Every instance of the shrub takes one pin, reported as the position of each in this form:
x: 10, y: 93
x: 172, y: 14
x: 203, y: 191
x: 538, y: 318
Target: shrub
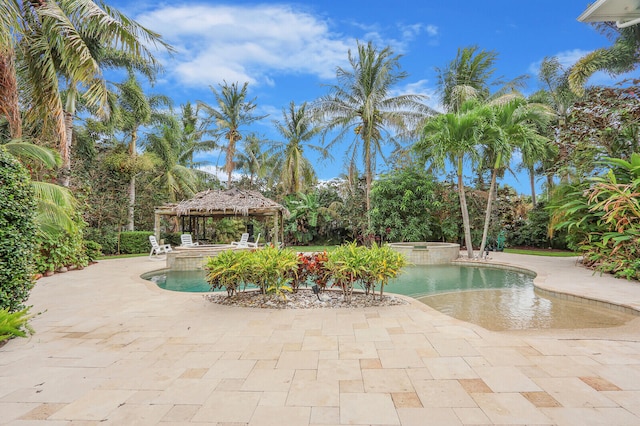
x: 106, y: 238
x: 64, y: 248
x: 132, y: 242
x: 350, y: 264
x: 17, y: 231
x: 14, y: 324
x: 172, y: 238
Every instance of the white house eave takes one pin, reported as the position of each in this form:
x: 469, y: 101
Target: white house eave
x: 624, y: 12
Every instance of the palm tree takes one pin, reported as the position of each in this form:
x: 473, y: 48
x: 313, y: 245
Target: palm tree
x: 362, y: 102
x: 252, y: 160
x: 298, y: 128
x: 623, y: 56
x: 54, y: 42
x: 511, y: 125
x: 166, y: 144
x: 454, y: 137
x: 133, y: 110
x: 55, y: 204
x: 469, y: 76
x: 192, y: 134
x: 233, y: 111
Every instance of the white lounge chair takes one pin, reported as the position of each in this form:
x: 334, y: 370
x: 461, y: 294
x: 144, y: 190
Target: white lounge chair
x: 156, y: 248
x: 187, y: 241
x: 255, y: 243
x: 244, y: 240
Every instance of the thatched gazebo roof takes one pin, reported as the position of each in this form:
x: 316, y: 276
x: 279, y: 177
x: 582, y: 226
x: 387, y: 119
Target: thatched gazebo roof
x: 232, y: 201
x: 225, y: 203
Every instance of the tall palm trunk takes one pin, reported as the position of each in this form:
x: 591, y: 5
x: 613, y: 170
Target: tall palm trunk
x: 231, y: 150
x: 532, y: 182
x: 9, y: 105
x: 132, y: 183
x: 65, y: 150
x: 465, y: 212
x: 487, y: 215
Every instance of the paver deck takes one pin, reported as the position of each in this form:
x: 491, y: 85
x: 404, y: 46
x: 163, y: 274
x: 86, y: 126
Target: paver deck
x: 111, y: 348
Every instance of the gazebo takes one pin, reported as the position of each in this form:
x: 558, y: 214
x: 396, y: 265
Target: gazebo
x: 218, y: 204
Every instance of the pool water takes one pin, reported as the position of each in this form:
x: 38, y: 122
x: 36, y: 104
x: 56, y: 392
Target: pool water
x: 496, y: 299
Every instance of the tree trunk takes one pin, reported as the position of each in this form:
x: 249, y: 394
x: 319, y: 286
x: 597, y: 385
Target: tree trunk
x: 231, y: 150
x: 132, y: 183
x: 532, y: 181
x: 465, y: 212
x: 132, y: 203
x: 65, y: 150
x: 368, y: 179
x: 9, y: 104
x: 487, y: 215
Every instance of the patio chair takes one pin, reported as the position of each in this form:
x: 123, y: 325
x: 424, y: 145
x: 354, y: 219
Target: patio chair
x: 255, y: 243
x: 187, y: 241
x: 244, y: 241
x: 157, y: 249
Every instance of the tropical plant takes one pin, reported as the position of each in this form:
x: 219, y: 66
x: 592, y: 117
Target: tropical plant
x: 177, y: 180
x: 311, y: 267
x: 253, y: 161
x: 17, y: 232
x: 232, y: 112
x: 274, y: 269
x: 385, y: 264
x: 511, y: 124
x: 228, y: 270
x: 134, y: 109
x: 362, y: 102
x: 14, y: 324
x: 56, y: 44
x: 623, y: 56
x: 454, y: 137
x: 606, y: 218
x: 294, y: 169
x: 404, y: 204
x: 305, y: 211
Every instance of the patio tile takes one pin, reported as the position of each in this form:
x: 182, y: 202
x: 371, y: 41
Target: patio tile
x: 95, y: 405
x: 406, y: 400
x: 430, y: 416
x: 351, y: 386
x: 573, y: 392
x: 506, y: 379
x: 228, y: 406
x: 443, y: 394
x: 314, y: 393
x: 339, y: 369
x: 450, y: 368
x: 400, y: 358
x: 180, y: 413
x: 42, y: 411
x: 386, y: 380
x: 510, y: 408
x: 298, y: 360
x: 230, y: 369
x: 277, y: 416
x: 367, y: 408
x: 600, y: 384
x: 268, y: 380
x: 474, y: 386
x: 471, y: 416
x: 325, y: 416
x: 358, y: 350
x: 541, y: 399
x: 590, y: 416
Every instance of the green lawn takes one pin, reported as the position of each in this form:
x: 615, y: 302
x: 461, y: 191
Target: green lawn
x: 311, y: 248
x: 542, y: 252
x: 122, y: 256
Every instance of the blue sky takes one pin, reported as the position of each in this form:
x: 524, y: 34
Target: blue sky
x: 289, y: 51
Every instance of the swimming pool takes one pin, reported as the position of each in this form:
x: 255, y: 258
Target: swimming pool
x: 496, y: 299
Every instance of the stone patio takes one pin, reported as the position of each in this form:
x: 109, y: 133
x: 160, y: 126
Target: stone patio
x: 111, y: 348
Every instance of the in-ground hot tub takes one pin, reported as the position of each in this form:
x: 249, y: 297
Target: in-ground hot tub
x: 428, y: 253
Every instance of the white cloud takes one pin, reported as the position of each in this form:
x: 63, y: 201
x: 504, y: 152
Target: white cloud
x: 566, y: 59
x: 421, y: 87
x: 242, y: 43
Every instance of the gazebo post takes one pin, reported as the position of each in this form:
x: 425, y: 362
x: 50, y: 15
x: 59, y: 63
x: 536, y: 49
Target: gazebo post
x: 156, y: 225
x: 276, y: 230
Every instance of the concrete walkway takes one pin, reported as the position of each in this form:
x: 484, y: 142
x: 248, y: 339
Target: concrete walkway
x: 111, y: 348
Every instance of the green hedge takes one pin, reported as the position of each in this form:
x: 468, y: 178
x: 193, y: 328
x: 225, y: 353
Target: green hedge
x: 17, y: 232
x: 132, y: 242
